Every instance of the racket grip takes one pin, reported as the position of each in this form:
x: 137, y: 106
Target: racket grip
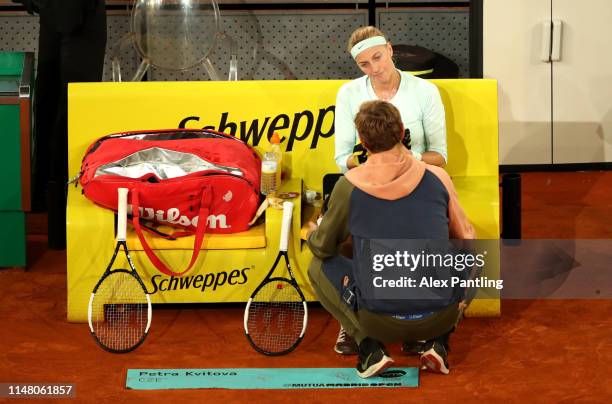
x: 122, y: 213
x: 286, y: 225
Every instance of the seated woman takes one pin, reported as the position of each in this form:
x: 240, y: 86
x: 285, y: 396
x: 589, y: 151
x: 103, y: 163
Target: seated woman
x: 385, y: 198
x: 417, y: 100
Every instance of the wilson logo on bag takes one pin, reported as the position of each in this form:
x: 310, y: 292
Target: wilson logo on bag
x: 197, y: 180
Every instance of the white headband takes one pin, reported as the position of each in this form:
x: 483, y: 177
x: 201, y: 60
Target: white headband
x: 367, y: 43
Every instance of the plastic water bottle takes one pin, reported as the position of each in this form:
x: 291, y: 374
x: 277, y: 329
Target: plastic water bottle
x: 271, y: 164
x: 269, y: 167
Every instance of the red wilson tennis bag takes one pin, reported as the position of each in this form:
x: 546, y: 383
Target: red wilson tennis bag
x: 197, y: 180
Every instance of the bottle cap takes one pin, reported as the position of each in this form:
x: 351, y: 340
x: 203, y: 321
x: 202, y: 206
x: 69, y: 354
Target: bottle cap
x: 275, y: 138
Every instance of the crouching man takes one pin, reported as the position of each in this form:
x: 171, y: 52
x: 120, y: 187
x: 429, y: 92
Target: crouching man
x: 391, y: 196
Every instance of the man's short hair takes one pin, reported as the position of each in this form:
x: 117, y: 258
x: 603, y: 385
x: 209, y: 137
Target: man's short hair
x: 379, y: 125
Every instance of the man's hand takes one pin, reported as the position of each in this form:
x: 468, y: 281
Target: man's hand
x: 311, y: 228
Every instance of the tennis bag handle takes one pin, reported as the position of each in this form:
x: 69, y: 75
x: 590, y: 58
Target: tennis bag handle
x: 205, y: 202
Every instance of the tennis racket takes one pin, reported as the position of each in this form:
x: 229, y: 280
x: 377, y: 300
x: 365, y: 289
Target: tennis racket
x: 119, y: 311
x: 276, y: 314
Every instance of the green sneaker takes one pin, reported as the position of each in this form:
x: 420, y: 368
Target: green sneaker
x: 373, y: 358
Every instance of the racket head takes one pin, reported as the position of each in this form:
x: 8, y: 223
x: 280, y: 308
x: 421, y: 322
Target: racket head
x: 275, y: 317
x: 119, y: 312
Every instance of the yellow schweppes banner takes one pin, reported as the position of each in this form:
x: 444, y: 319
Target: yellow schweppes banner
x: 302, y: 112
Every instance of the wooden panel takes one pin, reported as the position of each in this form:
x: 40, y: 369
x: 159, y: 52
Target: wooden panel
x: 512, y: 47
x: 582, y: 83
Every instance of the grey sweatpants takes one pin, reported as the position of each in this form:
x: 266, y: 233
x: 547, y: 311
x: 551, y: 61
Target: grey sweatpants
x: 363, y: 323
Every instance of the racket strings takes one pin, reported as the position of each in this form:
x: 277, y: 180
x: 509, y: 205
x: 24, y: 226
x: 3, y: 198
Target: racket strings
x: 276, y: 317
x: 119, y: 312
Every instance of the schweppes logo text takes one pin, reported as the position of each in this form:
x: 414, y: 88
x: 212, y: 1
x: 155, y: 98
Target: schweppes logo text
x: 210, y: 281
x: 302, y: 126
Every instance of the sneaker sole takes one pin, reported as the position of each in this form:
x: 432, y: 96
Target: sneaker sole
x: 432, y: 362
x: 376, y: 369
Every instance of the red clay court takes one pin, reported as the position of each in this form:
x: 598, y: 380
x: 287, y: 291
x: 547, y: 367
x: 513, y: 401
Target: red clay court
x: 538, y: 351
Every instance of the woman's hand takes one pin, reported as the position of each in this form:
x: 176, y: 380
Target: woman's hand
x: 433, y: 158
